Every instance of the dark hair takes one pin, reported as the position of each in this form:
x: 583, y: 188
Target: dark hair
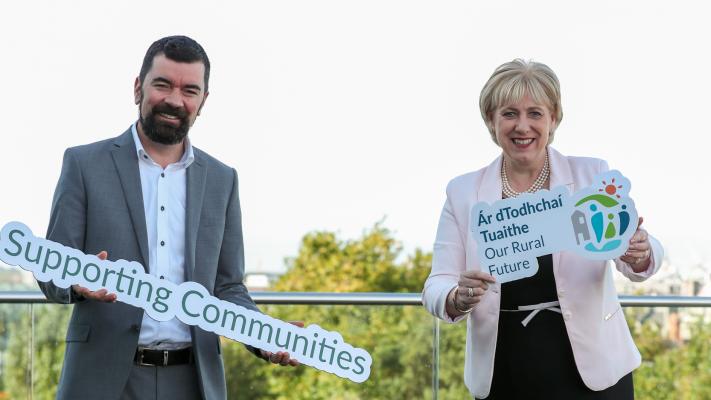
x: 176, y: 48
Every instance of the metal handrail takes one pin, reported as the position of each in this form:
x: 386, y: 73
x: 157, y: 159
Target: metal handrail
x: 377, y: 299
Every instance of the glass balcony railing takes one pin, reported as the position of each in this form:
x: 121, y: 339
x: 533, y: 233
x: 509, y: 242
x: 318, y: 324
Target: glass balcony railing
x: 414, y: 355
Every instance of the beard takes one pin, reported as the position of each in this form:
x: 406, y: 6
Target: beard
x: 163, y: 133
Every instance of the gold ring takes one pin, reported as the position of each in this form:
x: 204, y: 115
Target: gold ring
x: 470, y: 292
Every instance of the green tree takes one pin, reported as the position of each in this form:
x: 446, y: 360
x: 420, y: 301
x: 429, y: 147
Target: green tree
x: 669, y: 370
x: 399, y: 339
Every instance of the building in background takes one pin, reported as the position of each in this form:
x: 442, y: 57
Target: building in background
x: 672, y: 280
x: 260, y: 281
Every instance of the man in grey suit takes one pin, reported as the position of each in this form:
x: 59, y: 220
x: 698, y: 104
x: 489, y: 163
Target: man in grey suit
x: 149, y: 196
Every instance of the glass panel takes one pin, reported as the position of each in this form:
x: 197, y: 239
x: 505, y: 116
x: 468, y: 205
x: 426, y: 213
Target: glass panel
x: 50, y: 328
x: 15, y: 351
x: 452, y: 343
x: 399, y: 338
x: 675, y: 344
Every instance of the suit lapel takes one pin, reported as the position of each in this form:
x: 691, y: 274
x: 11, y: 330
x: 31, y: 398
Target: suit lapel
x: 196, y: 175
x: 126, y: 162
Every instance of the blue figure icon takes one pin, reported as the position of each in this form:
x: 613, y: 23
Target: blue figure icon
x: 597, y: 222
x: 624, y: 220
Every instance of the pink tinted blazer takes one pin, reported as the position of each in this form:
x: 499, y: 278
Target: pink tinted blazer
x: 601, y: 341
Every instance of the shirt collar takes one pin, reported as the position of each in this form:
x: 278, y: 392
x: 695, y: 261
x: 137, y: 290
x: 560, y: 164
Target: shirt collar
x: 185, y: 161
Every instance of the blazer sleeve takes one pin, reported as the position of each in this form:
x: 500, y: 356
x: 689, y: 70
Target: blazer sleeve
x: 67, y: 221
x: 229, y: 282
x: 448, y: 262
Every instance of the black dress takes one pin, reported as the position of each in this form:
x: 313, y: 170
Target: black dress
x: 536, y: 361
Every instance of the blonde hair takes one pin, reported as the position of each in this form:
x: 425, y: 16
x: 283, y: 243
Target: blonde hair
x: 511, y: 81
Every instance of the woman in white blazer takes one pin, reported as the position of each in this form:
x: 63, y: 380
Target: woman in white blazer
x: 578, y: 345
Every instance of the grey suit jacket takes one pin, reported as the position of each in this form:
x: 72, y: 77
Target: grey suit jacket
x: 98, y: 206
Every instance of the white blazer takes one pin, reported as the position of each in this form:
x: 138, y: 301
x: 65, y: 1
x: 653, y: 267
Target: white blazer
x: 601, y: 341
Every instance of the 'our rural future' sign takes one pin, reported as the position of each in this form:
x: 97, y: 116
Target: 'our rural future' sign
x: 596, y: 222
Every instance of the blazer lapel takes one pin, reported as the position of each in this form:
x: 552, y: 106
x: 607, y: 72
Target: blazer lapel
x: 126, y: 161
x: 490, y: 188
x: 196, y: 175
x: 561, y: 175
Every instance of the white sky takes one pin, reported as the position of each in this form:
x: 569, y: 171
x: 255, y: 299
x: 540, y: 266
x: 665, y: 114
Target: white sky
x: 337, y: 114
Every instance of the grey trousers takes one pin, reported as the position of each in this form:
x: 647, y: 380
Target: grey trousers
x: 175, y: 382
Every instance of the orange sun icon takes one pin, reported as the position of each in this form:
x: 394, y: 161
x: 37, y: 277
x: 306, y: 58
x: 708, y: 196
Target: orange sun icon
x: 610, y: 188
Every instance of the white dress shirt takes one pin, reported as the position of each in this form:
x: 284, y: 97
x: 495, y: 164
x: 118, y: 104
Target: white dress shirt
x: 164, y: 192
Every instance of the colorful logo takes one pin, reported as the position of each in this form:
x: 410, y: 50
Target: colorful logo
x: 601, y: 220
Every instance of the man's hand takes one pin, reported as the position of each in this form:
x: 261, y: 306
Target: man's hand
x: 282, y: 357
x: 99, y: 295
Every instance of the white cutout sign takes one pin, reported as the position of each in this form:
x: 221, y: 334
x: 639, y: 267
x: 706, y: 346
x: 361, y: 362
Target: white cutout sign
x: 596, y: 222
x: 190, y: 302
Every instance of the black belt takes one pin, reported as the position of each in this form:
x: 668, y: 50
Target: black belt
x: 163, y: 358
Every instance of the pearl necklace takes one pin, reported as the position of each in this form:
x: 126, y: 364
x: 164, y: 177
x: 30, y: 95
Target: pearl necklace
x: 536, y: 186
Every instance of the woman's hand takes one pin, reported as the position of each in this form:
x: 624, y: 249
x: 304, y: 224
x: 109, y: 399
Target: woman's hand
x: 471, y: 286
x: 638, y: 255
